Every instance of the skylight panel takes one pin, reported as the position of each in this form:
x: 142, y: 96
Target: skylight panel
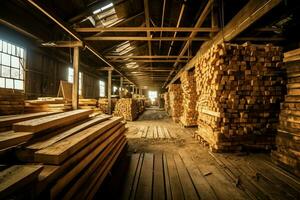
x: 103, y: 8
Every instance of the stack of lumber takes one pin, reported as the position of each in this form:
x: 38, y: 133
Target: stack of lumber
x: 240, y: 88
x: 127, y: 108
x: 287, y: 154
x: 47, y: 104
x: 103, y: 104
x: 72, y: 152
x: 11, y: 101
x: 87, y: 104
x: 167, y: 102
x: 175, y: 94
x: 188, y: 86
x: 141, y: 105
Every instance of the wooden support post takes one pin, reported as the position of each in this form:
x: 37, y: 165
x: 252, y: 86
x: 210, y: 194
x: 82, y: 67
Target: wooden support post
x: 76, y: 78
x: 109, y: 92
x: 121, y: 87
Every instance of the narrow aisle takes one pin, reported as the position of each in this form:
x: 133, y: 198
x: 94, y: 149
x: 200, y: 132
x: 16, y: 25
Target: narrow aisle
x: 164, y: 161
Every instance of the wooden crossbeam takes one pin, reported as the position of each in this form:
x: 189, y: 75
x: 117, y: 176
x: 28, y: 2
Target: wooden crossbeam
x: 145, y: 29
x: 63, y: 44
x: 148, y: 61
x: 146, y: 56
x: 133, y: 38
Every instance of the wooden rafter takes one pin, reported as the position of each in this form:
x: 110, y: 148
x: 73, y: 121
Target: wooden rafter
x: 146, y: 29
x: 133, y: 38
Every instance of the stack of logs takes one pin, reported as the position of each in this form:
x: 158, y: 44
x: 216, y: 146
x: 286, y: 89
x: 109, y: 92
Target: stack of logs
x: 240, y: 88
x: 127, y: 108
x: 11, y: 101
x: 188, y: 86
x: 47, y: 104
x: 288, y: 138
x: 167, y: 102
x: 58, y: 156
x: 175, y: 95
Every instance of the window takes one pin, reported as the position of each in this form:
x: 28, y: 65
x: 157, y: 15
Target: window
x: 102, y: 88
x: 115, y: 88
x: 152, y: 95
x: 11, y: 66
x: 71, y: 78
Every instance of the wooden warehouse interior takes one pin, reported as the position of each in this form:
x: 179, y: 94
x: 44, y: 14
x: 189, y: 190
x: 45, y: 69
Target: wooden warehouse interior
x: 140, y: 99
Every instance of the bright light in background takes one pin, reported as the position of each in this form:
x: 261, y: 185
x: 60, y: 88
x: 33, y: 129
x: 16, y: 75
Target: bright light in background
x: 152, y: 95
x: 103, y: 8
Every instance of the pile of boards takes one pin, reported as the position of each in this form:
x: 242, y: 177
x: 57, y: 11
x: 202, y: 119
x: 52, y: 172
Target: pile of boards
x: 288, y: 137
x: 127, y: 108
x: 11, y: 101
x: 47, y: 104
x: 103, y: 104
x: 188, y: 85
x: 239, y: 89
x: 167, y: 102
x: 141, y: 105
x: 58, y: 155
x: 175, y: 95
x: 87, y: 103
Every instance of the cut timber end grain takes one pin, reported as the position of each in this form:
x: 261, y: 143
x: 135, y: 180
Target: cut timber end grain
x: 127, y: 108
x: 51, y: 121
x: 60, y: 151
x: 16, y: 177
x: 175, y: 95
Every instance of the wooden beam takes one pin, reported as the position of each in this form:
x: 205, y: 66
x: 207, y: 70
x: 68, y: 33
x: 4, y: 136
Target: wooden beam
x: 63, y: 44
x: 147, y: 18
x: 109, y: 92
x: 146, y: 56
x: 121, y: 87
x: 137, y: 38
x: 75, y: 78
x: 263, y: 39
x: 249, y: 14
x: 145, y: 29
x: 148, y: 61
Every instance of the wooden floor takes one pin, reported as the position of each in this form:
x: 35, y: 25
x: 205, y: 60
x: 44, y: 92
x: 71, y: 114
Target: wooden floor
x: 184, y: 169
x: 154, y: 132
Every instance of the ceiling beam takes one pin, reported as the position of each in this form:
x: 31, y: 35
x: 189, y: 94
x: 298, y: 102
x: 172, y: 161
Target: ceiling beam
x: 198, y: 24
x: 137, y: 38
x: 148, y: 61
x: 145, y: 29
x: 146, y: 56
x: 63, y: 44
x: 72, y: 33
x: 162, y: 22
x: 249, y: 14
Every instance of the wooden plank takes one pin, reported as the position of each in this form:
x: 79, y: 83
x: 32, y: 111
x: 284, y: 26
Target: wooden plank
x: 94, y: 161
x: 50, y: 173
x: 144, y: 189
x: 186, y: 182
x: 166, y: 133
x: 10, y: 138
x: 167, y: 178
x: 155, y: 134
x: 69, y: 132
x: 176, y: 188
x: 158, y: 178
x: 140, y: 132
x: 60, y: 151
x: 136, y: 178
x: 160, y: 133
x: 75, y: 88
x: 171, y: 133
x: 130, y: 175
x: 150, y: 133
x: 205, y: 191
x: 16, y: 177
x: 57, y: 120
x: 144, y: 135
x: 9, y: 120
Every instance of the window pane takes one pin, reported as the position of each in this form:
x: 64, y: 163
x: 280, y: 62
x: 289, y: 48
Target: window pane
x: 5, y: 59
x: 0, y: 45
x: 13, y: 49
x: 18, y: 85
x: 9, y: 48
x: 15, y: 73
x: 70, y: 75
x: 4, y: 46
x: 9, y: 83
x: 5, y: 72
x: 22, y: 53
x: 15, y: 62
x: 2, y: 82
x: 21, y: 74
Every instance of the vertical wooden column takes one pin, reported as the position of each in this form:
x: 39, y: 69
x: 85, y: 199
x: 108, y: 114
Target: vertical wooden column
x: 109, y: 92
x: 75, y: 78
x: 121, y: 87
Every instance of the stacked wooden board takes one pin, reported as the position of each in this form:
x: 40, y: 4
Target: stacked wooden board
x: 167, y: 102
x: 288, y: 135
x: 47, y: 104
x: 11, y: 101
x: 188, y: 85
x: 72, y: 153
x: 240, y: 88
x: 127, y: 108
x: 141, y: 105
x: 175, y: 95
x: 103, y: 104
x: 87, y: 103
